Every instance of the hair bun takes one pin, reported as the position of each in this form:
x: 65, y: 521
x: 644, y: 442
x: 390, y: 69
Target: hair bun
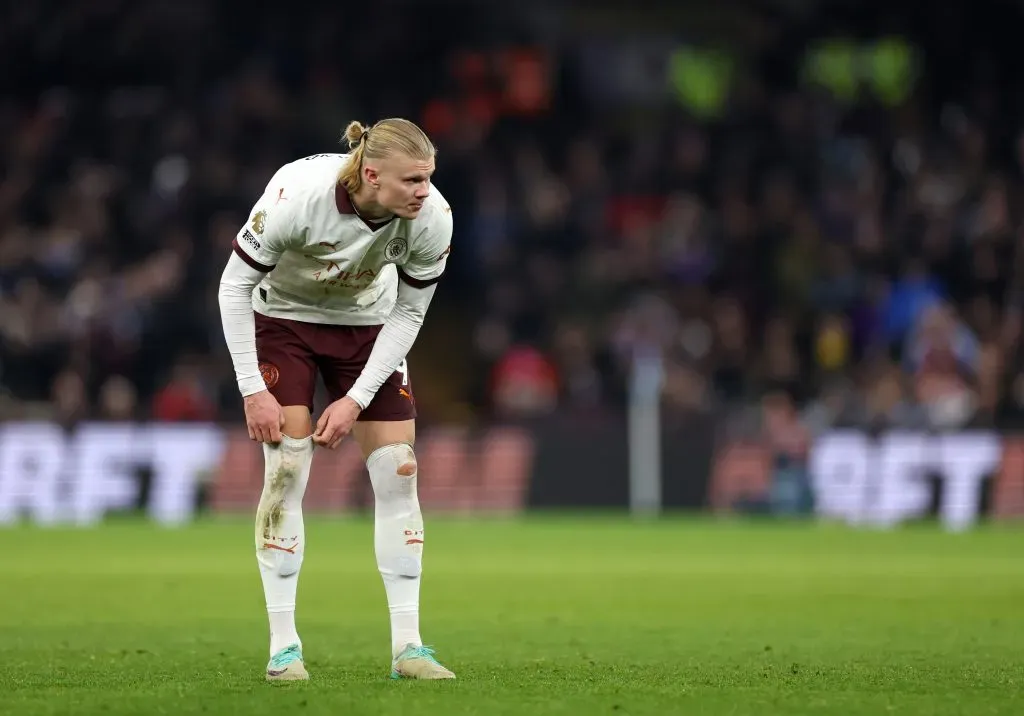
x: 355, y: 133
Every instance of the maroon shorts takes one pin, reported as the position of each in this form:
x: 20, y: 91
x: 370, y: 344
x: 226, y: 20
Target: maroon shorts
x: 291, y: 352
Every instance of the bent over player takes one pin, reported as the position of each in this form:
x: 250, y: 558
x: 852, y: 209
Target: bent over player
x: 333, y: 273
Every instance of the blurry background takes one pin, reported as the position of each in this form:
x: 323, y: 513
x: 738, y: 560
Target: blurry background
x: 807, y: 214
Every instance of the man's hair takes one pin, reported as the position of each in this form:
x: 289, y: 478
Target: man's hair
x: 384, y: 139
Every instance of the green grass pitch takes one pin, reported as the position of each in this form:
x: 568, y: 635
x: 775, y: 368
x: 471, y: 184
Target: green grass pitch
x: 541, y: 615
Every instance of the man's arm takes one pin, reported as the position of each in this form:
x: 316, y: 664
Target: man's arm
x: 394, y: 341
x: 417, y: 282
x: 235, y: 298
x: 256, y: 251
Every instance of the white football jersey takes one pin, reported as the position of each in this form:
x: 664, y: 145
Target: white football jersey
x: 326, y: 264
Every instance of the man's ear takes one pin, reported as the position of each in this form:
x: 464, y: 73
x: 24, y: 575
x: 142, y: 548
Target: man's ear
x: 371, y: 175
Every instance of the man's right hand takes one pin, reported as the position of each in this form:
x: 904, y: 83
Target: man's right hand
x: 263, y: 417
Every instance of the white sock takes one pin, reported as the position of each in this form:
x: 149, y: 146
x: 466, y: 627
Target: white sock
x: 398, y: 539
x: 280, y: 535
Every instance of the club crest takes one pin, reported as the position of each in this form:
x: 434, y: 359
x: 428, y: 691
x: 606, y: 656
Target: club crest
x: 396, y: 248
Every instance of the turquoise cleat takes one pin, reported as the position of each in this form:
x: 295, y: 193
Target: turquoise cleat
x: 286, y: 665
x: 418, y: 662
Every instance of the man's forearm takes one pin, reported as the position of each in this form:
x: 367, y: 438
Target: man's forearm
x: 235, y: 298
x: 393, y: 342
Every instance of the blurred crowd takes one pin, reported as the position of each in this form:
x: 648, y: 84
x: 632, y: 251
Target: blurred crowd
x: 826, y: 262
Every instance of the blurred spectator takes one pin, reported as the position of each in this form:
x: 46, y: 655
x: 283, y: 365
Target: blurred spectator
x: 887, y: 403
x: 524, y: 384
x: 913, y: 293
x: 69, y: 398
x: 578, y: 363
x: 118, y: 400
x: 185, y: 397
x: 788, y: 441
x: 942, y: 358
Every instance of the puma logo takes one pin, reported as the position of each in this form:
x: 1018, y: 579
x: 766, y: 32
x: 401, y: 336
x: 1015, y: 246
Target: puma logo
x: 335, y: 245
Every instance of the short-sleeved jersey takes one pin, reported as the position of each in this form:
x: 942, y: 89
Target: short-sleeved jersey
x: 326, y: 264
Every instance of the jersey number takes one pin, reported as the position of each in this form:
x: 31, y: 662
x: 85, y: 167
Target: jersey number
x: 403, y: 368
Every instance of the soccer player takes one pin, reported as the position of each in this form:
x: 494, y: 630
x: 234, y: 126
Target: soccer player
x: 333, y: 273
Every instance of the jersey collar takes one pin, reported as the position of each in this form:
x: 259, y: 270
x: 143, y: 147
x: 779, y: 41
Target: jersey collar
x: 345, y: 207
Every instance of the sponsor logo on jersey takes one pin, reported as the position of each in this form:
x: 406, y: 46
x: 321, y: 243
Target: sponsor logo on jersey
x: 396, y: 248
x: 259, y: 222
x: 346, y: 279
x: 248, y: 238
x: 332, y: 275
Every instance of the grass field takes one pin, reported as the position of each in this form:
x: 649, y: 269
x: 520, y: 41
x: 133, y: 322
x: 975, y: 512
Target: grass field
x: 550, y: 615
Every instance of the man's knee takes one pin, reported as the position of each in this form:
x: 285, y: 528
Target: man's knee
x: 392, y: 471
x: 400, y: 456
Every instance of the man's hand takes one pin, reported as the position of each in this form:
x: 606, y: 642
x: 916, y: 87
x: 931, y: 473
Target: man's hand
x: 263, y: 417
x: 336, y: 422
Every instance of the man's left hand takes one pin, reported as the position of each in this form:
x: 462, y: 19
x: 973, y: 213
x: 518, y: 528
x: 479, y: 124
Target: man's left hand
x: 336, y: 422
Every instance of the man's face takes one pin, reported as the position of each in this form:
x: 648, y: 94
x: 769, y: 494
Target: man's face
x: 402, y: 183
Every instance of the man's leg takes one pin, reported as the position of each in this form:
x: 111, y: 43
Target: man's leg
x: 280, y: 533
x: 290, y: 373
x: 398, y: 540
x: 386, y: 431
x: 398, y: 524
